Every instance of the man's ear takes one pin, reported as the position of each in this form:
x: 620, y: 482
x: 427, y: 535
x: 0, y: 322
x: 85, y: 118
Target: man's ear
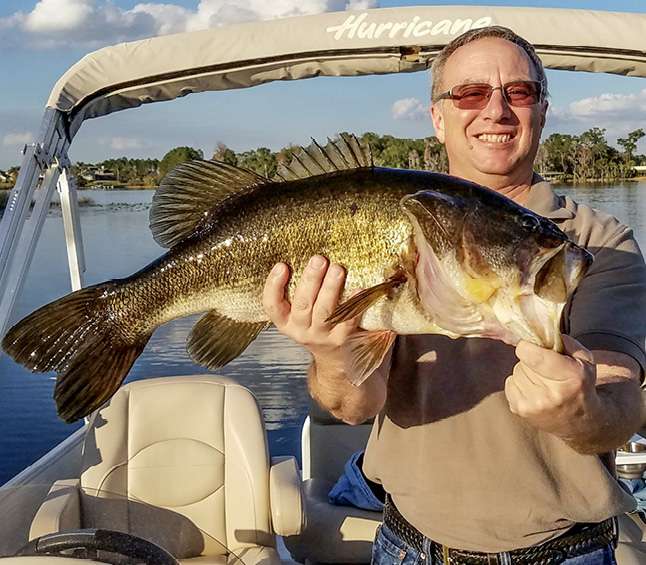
x: 438, y: 121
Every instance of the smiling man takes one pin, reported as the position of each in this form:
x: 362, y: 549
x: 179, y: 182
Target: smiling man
x: 489, y: 453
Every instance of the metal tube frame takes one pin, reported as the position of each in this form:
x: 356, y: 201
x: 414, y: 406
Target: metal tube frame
x: 41, y: 167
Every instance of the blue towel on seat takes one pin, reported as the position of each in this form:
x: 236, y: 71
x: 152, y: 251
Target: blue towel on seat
x: 352, y: 488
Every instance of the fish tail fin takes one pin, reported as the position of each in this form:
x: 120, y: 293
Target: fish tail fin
x: 78, y: 337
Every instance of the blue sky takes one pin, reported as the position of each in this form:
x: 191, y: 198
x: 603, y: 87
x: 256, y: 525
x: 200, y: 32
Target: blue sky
x: 40, y: 39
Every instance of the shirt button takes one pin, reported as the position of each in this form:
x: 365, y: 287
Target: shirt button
x: 422, y: 556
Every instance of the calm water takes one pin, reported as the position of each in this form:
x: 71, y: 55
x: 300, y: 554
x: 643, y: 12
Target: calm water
x: 117, y: 243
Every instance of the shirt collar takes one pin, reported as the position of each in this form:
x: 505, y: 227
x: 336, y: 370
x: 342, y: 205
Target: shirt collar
x: 544, y: 201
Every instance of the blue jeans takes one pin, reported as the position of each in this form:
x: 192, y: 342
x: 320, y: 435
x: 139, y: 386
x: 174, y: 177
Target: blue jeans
x: 388, y: 549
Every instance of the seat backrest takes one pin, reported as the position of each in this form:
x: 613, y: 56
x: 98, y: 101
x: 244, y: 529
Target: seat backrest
x: 330, y: 444
x: 190, y: 456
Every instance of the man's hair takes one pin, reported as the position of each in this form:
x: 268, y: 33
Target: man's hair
x: 437, y: 68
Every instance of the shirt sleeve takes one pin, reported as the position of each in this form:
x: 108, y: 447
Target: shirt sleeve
x: 608, y: 309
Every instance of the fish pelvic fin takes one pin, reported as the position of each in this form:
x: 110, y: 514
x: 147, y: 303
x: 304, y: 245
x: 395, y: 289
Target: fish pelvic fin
x: 366, y: 352
x: 216, y: 339
x: 189, y: 193
x: 360, y: 302
x: 343, y: 153
x: 75, y: 337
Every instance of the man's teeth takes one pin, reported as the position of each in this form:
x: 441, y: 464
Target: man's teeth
x: 500, y: 138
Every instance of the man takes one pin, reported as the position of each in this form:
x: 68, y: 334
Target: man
x: 486, y: 450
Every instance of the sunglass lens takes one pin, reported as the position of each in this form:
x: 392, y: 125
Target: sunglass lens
x: 522, y: 93
x: 471, y: 96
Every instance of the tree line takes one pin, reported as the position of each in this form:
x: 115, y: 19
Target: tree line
x: 577, y: 158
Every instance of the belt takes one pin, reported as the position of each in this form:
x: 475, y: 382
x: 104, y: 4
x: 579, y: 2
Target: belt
x: 579, y: 540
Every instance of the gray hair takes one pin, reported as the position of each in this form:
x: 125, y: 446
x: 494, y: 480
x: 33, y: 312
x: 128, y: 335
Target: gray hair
x: 437, y: 68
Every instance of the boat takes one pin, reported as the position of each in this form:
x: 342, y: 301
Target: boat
x: 177, y: 469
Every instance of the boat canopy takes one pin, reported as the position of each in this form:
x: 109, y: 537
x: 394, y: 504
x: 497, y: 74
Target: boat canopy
x: 377, y: 41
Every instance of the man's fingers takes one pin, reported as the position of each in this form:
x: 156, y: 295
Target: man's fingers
x: 274, y: 302
x: 307, y: 291
x: 328, y: 296
x: 547, y: 363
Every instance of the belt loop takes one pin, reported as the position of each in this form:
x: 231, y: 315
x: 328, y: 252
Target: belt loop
x: 615, y: 531
x: 446, y: 560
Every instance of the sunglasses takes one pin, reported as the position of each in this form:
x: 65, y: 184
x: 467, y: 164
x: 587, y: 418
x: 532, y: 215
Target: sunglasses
x: 521, y: 93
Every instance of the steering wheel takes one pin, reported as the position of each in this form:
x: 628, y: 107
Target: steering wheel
x: 92, y: 543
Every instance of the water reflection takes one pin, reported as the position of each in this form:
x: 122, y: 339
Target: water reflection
x: 117, y: 243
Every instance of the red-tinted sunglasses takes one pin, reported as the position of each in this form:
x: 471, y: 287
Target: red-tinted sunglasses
x: 520, y: 93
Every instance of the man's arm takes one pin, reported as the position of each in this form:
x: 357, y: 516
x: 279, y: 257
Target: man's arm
x: 315, y: 298
x: 592, y: 400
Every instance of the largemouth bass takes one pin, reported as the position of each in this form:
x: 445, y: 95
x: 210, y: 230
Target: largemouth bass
x: 427, y: 253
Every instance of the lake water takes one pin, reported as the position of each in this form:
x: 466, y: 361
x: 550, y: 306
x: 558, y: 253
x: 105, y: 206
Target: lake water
x: 117, y: 243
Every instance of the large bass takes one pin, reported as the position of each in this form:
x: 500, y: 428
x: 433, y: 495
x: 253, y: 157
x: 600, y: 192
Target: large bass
x: 424, y: 253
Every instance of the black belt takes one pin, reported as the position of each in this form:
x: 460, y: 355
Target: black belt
x: 580, y: 539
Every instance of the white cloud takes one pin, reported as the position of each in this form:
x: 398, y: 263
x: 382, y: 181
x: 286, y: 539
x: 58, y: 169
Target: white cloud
x: 123, y: 143
x: 17, y: 138
x: 409, y: 109
x: 58, y: 15
x: 91, y: 23
x: 617, y: 113
x: 610, y: 105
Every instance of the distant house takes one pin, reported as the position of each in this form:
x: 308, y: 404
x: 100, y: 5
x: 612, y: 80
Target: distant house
x: 104, y: 175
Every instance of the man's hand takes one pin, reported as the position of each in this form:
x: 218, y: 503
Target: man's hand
x: 593, y: 404
x: 316, y: 296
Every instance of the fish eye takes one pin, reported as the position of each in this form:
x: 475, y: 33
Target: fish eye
x: 530, y: 222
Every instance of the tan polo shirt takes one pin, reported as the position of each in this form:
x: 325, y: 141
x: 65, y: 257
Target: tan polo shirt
x: 459, y: 465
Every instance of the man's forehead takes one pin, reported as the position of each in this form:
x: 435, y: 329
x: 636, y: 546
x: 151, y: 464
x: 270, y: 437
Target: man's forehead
x: 478, y: 60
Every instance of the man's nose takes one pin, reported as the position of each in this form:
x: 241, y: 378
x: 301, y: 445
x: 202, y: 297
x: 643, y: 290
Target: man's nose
x: 497, y: 107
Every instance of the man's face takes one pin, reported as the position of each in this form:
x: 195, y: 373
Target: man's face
x: 494, y: 146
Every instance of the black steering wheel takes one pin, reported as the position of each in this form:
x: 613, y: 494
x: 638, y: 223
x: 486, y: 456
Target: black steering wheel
x: 106, y: 546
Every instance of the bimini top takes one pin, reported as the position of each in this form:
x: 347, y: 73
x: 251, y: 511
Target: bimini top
x: 388, y: 40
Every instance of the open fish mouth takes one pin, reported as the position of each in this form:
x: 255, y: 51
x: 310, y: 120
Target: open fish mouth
x: 506, y: 289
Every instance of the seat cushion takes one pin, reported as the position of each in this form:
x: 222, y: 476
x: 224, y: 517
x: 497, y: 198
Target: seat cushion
x: 248, y: 556
x: 333, y: 534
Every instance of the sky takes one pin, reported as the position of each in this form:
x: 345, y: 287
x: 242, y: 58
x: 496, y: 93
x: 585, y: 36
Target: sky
x: 41, y: 39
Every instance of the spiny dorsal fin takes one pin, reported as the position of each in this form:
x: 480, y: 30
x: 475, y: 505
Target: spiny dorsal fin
x: 340, y: 154
x: 187, y: 194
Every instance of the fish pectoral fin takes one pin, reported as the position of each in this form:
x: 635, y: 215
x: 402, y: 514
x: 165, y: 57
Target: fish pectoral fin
x: 360, y: 302
x: 366, y: 352
x: 216, y: 339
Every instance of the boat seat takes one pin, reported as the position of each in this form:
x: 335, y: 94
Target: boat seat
x: 333, y: 534
x: 182, y: 462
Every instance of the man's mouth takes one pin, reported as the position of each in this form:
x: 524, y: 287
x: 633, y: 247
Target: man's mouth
x: 495, y: 137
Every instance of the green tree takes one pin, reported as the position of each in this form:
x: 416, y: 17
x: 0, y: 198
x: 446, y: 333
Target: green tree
x: 225, y: 155
x: 176, y: 156
x: 261, y: 161
x: 629, y: 145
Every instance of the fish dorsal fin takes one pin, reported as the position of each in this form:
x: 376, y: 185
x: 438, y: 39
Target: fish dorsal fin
x: 340, y: 154
x: 189, y: 192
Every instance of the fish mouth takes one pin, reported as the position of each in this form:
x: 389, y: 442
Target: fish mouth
x: 554, y: 279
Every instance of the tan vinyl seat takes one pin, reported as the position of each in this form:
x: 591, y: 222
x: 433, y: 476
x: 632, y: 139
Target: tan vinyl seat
x: 182, y: 462
x: 333, y: 534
